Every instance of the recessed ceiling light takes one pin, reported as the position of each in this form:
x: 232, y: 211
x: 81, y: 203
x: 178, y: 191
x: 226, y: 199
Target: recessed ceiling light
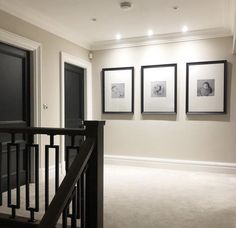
x: 118, y: 36
x: 125, y: 5
x: 175, y: 7
x: 185, y: 28
x: 150, y: 32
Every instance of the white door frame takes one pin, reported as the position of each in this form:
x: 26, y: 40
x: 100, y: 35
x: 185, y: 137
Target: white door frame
x: 87, y: 66
x: 35, y: 47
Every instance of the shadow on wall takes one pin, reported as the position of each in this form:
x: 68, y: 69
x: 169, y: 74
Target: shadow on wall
x: 218, y: 117
x: 159, y: 117
x: 117, y: 116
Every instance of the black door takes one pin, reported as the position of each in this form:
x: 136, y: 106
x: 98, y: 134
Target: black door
x: 74, y: 101
x: 14, y: 105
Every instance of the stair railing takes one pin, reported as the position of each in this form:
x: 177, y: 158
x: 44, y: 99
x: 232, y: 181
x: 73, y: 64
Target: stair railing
x: 79, y: 197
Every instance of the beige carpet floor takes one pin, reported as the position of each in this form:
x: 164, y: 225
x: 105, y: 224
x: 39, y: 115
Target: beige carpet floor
x: 138, y: 197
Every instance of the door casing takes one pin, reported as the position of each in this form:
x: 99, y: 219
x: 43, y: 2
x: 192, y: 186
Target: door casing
x: 87, y: 66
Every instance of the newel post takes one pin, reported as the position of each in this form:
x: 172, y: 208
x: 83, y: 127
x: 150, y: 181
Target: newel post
x: 94, y: 176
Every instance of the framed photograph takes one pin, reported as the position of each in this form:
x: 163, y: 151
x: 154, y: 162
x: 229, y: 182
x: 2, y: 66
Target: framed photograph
x: 206, y: 87
x: 118, y: 90
x: 159, y: 89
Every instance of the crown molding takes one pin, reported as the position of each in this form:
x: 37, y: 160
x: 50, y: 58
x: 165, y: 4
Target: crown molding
x: 162, y: 39
x: 37, y: 19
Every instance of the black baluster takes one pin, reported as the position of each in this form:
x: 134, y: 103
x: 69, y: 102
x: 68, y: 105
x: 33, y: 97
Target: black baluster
x: 68, y: 215
x: 79, y: 199
x: 56, y: 148
x: 18, y: 176
x: 68, y: 148
x: 37, y: 177
x: 46, y: 177
x: 8, y: 175
x: 0, y: 174
x: 67, y: 158
x: 64, y: 217
x: 74, y: 209
x: 67, y: 166
x: 57, y: 168
x: 83, y: 199
x: 28, y: 177
x: 73, y: 216
x: 10, y: 205
x: 79, y: 187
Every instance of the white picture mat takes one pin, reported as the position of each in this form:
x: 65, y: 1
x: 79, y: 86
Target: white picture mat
x: 159, y: 104
x: 206, y: 103
x: 118, y: 104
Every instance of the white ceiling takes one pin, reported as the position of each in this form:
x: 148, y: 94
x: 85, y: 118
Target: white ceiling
x: 71, y: 19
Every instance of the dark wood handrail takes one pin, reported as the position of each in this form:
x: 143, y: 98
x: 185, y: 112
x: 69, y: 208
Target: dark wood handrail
x: 82, y: 186
x: 66, y: 188
x: 45, y: 131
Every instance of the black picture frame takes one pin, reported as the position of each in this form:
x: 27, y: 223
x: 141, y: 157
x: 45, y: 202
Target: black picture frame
x: 174, y: 103
x: 130, y: 109
x: 223, y: 77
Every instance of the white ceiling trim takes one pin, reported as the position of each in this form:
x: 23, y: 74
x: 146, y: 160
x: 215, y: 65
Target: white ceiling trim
x: 161, y: 39
x: 44, y: 23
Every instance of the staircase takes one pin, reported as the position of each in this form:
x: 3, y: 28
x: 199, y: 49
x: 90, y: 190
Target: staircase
x: 78, y: 198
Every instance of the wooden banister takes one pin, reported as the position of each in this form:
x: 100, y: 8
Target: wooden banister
x: 82, y: 187
x: 45, y: 131
x: 64, y: 192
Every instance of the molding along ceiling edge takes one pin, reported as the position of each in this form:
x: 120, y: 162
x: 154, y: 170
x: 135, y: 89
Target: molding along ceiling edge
x: 162, y: 39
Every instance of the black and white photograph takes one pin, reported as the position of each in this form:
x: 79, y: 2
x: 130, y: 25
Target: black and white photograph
x: 159, y: 89
x: 118, y: 90
x: 206, y: 87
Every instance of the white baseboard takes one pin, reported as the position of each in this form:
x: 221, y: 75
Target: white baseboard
x: 229, y: 168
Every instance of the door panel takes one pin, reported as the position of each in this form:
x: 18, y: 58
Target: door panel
x: 14, y: 103
x: 13, y: 109
x: 74, y: 101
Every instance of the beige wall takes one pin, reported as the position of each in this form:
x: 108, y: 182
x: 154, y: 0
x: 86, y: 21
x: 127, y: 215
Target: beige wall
x: 52, y: 45
x: 206, y: 138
